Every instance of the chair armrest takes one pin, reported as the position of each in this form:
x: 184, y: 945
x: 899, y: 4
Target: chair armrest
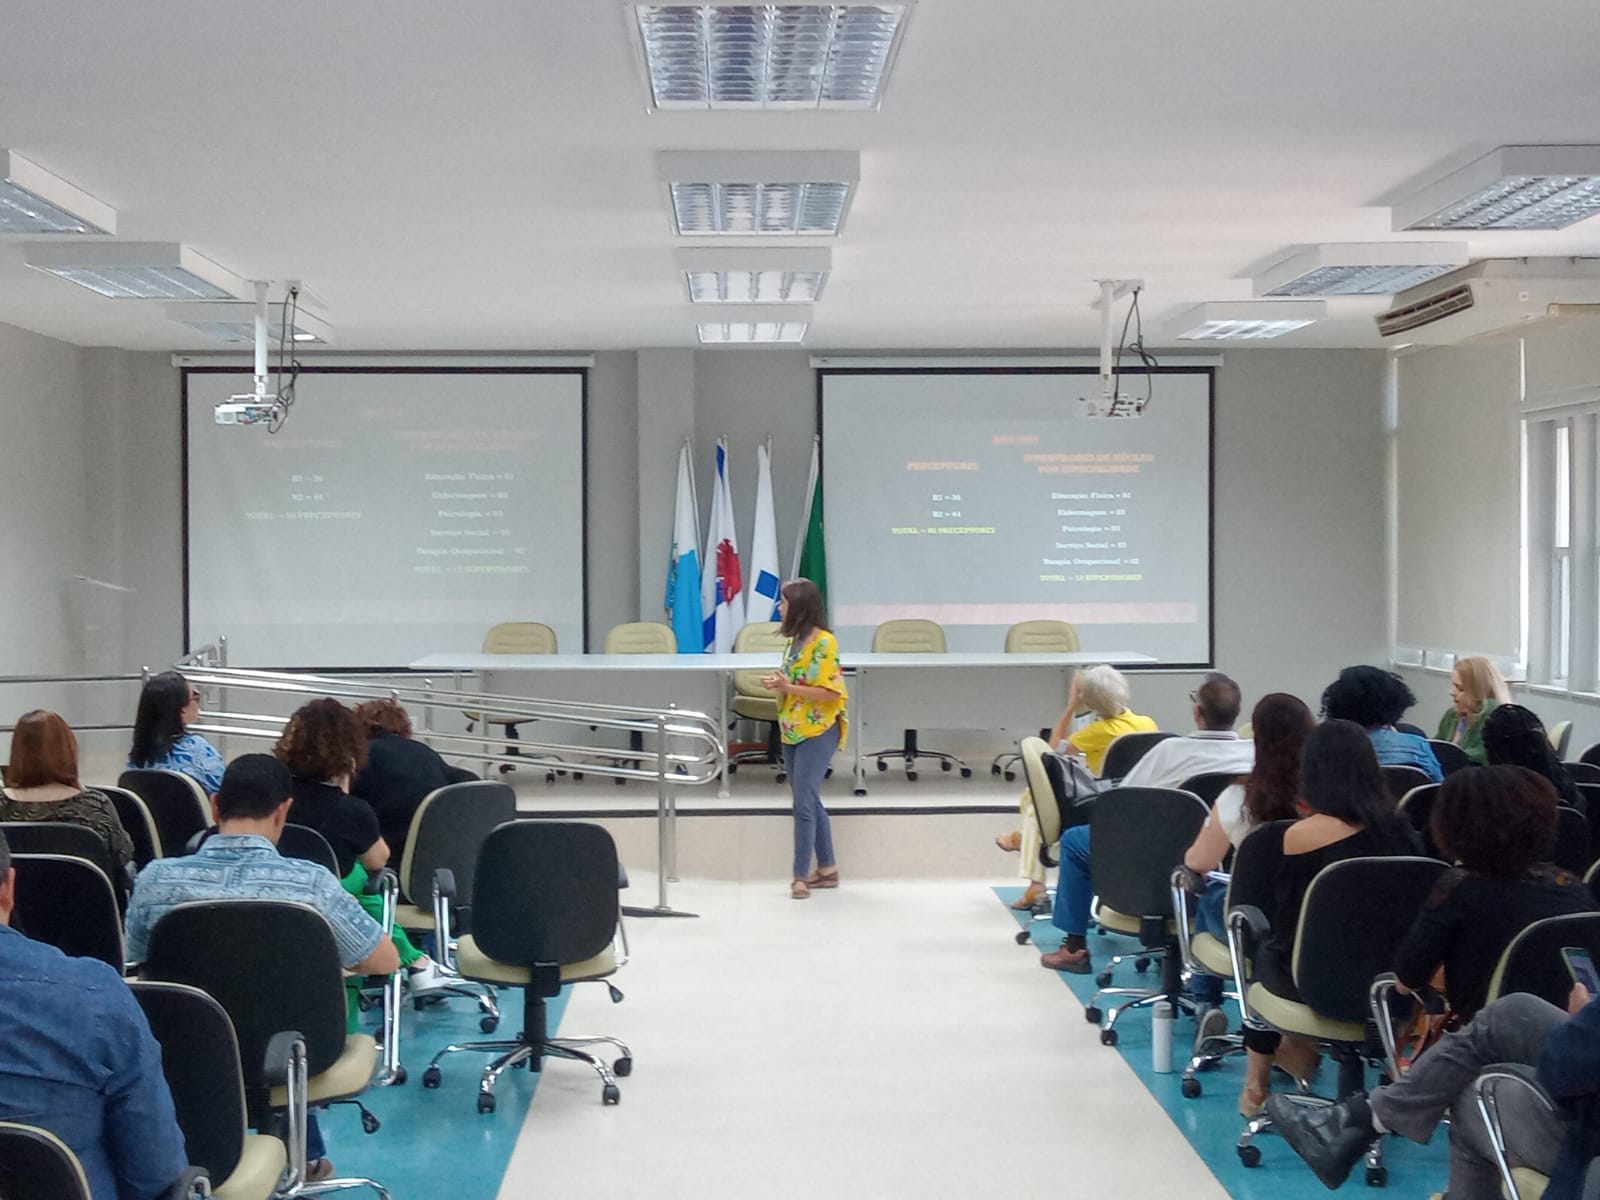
x: 1485, y: 1090
x: 194, y: 1181
x: 444, y: 883
x: 1248, y: 927
x: 280, y: 1053
x: 380, y: 879
x: 1381, y: 996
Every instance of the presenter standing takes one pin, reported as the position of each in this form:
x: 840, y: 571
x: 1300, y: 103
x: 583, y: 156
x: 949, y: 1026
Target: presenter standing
x: 811, y: 718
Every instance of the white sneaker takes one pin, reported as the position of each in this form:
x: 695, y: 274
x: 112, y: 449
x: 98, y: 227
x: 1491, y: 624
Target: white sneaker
x: 430, y: 979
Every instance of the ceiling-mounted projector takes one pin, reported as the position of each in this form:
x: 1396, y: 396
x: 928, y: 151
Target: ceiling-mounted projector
x: 1493, y: 296
x: 245, y: 410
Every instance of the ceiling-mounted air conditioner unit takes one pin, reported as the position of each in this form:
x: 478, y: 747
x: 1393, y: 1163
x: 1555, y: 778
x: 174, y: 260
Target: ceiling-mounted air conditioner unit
x: 1496, y: 295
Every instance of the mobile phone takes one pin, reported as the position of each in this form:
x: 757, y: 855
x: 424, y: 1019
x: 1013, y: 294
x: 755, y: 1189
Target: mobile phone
x: 1581, y: 966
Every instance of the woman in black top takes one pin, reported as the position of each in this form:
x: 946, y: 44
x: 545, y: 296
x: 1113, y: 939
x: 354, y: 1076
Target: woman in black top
x: 1347, y: 812
x: 1498, y: 824
x: 323, y: 745
x: 1514, y: 736
x: 399, y: 770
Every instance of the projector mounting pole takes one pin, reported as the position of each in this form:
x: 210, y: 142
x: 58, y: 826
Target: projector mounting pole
x: 1111, y: 290
x: 261, y: 342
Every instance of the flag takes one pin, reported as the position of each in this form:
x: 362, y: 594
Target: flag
x: 810, y: 555
x: 721, y: 587
x: 762, y: 603
x: 683, y: 572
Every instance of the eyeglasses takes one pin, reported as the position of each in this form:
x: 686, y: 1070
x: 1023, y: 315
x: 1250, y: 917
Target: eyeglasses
x: 1194, y: 696
x: 194, y: 697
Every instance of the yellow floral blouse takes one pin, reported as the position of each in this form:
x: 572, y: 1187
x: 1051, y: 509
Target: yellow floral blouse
x: 815, y: 664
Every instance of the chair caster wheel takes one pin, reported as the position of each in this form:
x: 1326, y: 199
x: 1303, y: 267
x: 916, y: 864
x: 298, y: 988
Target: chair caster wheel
x: 1022, y: 937
x: 1092, y: 1015
x: 488, y: 1024
x: 781, y: 777
x: 1190, y: 1088
x: 1108, y: 1037
x: 733, y: 768
x: 1377, y: 1176
x: 1103, y: 979
x: 1250, y: 1156
x: 994, y: 768
x: 506, y: 768
x: 828, y: 774
x: 619, y: 781
x: 622, y: 1068
x: 912, y: 776
x: 944, y: 766
x: 400, y: 1077
x: 966, y: 772
x: 1011, y: 776
x: 370, y: 1123
x: 431, y: 1078
x: 486, y: 1102
x: 860, y: 791
x: 365, y: 1002
x: 611, y: 1094
x: 577, y: 776
x: 882, y: 766
x: 549, y: 776
x: 614, y: 992
x: 1141, y: 965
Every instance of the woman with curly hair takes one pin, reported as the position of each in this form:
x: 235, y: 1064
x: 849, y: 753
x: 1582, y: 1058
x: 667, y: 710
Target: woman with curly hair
x: 400, y: 771
x: 1376, y: 699
x: 323, y: 745
x: 1498, y: 824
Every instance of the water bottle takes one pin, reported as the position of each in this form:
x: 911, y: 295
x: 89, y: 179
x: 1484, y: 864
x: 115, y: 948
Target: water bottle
x: 1161, y: 1038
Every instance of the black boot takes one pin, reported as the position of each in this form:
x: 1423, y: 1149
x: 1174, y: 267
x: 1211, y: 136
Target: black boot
x: 1331, y: 1139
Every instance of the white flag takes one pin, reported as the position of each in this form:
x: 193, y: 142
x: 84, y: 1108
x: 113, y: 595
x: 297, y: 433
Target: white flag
x: 683, y: 574
x: 721, y: 588
x: 762, y: 603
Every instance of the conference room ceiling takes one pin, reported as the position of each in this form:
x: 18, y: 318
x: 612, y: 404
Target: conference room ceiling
x: 484, y: 176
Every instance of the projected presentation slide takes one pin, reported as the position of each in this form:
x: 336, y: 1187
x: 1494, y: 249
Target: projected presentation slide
x: 980, y: 498
x: 396, y: 514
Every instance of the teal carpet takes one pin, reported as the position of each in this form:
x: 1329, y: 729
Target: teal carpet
x: 1211, y: 1121
x: 434, y: 1142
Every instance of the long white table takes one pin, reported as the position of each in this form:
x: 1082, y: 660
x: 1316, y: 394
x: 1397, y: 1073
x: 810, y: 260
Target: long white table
x: 1014, y: 692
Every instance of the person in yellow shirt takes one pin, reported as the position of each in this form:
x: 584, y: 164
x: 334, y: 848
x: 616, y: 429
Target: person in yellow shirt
x: 812, y: 721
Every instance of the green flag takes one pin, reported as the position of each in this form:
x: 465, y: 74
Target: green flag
x: 810, y: 552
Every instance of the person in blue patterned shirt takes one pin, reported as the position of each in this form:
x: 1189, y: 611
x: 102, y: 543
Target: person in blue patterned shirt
x: 161, y: 740
x: 241, y: 862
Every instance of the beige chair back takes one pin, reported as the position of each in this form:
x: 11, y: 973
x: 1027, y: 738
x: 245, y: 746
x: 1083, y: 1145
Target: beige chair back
x: 520, y: 637
x: 641, y: 637
x: 1041, y: 637
x: 757, y: 637
x: 908, y: 636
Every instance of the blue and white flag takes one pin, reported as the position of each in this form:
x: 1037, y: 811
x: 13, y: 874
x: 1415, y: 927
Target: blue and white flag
x: 721, y: 586
x: 683, y: 573
x: 762, y: 603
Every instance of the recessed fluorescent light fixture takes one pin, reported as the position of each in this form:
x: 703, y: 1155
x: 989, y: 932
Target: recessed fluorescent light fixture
x: 137, y: 270
x: 1360, y: 268
x: 755, y: 275
x: 235, y: 323
x: 1515, y: 187
x: 33, y: 201
x: 759, y: 194
x: 1231, y: 321
x: 725, y: 54
x: 753, y: 325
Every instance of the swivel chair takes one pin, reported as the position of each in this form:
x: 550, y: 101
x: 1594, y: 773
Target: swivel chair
x: 1209, y: 785
x: 912, y: 636
x: 1416, y: 806
x: 1060, y: 795
x: 1452, y: 758
x: 200, y: 1059
x: 1582, y: 772
x: 1125, y: 751
x: 638, y: 637
x: 136, y: 819
x: 75, y: 841
x: 69, y: 903
x: 1560, y: 737
x: 37, y: 1165
x: 178, y: 805
x: 1402, y: 779
x: 1033, y: 637
x: 544, y: 914
x: 515, y: 637
x: 754, y: 702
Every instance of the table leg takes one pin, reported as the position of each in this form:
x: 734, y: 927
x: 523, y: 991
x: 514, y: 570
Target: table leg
x: 726, y: 678
x: 860, y: 706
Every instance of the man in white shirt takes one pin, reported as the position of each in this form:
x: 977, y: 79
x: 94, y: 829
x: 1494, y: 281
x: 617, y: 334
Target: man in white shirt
x: 1213, y: 748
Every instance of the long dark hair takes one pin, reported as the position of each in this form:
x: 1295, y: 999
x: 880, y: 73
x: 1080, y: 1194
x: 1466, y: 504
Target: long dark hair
x: 805, y: 609
x: 1496, y: 821
x: 1513, y: 736
x: 1281, y: 725
x: 159, y: 722
x: 1340, y: 776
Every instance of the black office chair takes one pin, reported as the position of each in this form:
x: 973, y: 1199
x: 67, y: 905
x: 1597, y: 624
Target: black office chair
x: 1136, y: 837
x: 274, y: 968
x: 1126, y: 750
x: 1582, y: 772
x: 1452, y: 758
x: 73, y: 841
x: 1571, y: 848
x: 68, y: 903
x: 1591, y: 754
x: 200, y: 1060
x: 178, y: 805
x: 544, y: 914
x: 1209, y: 785
x: 1354, y: 917
x: 37, y: 1165
x: 1402, y: 780
x: 304, y: 842
x: 136, y: 819
x: 1416, y: 806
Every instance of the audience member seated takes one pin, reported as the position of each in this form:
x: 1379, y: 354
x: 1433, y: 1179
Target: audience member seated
x: 399, y: 772
x: 1212, y: 749
x: 1270, y: 792
x: 1514, y: 737
x: 42, y: 783
x: 1498, y: 825
x: 1376, y: 699
x: 1476, y: 690
x: 161, y: 741
x: 1519, y: 1034
x: 77, y: 1058
x: 323, y: 745
x: 1347, y: 813
x: 241, y: 861
x: 1103, y: 690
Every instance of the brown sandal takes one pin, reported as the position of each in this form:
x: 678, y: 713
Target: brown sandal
x: 799, y: 890
x: 1033, y: 895
x: 819, y: 880
x: 1009, y: 842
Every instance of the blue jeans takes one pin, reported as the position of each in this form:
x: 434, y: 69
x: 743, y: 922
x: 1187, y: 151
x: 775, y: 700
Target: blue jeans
x: 1210, y: 918
x: 1074, y: 889
x: 807, y: 765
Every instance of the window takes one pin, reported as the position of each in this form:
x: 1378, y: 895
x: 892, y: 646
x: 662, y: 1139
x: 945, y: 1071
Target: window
x: 1561, y: 553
